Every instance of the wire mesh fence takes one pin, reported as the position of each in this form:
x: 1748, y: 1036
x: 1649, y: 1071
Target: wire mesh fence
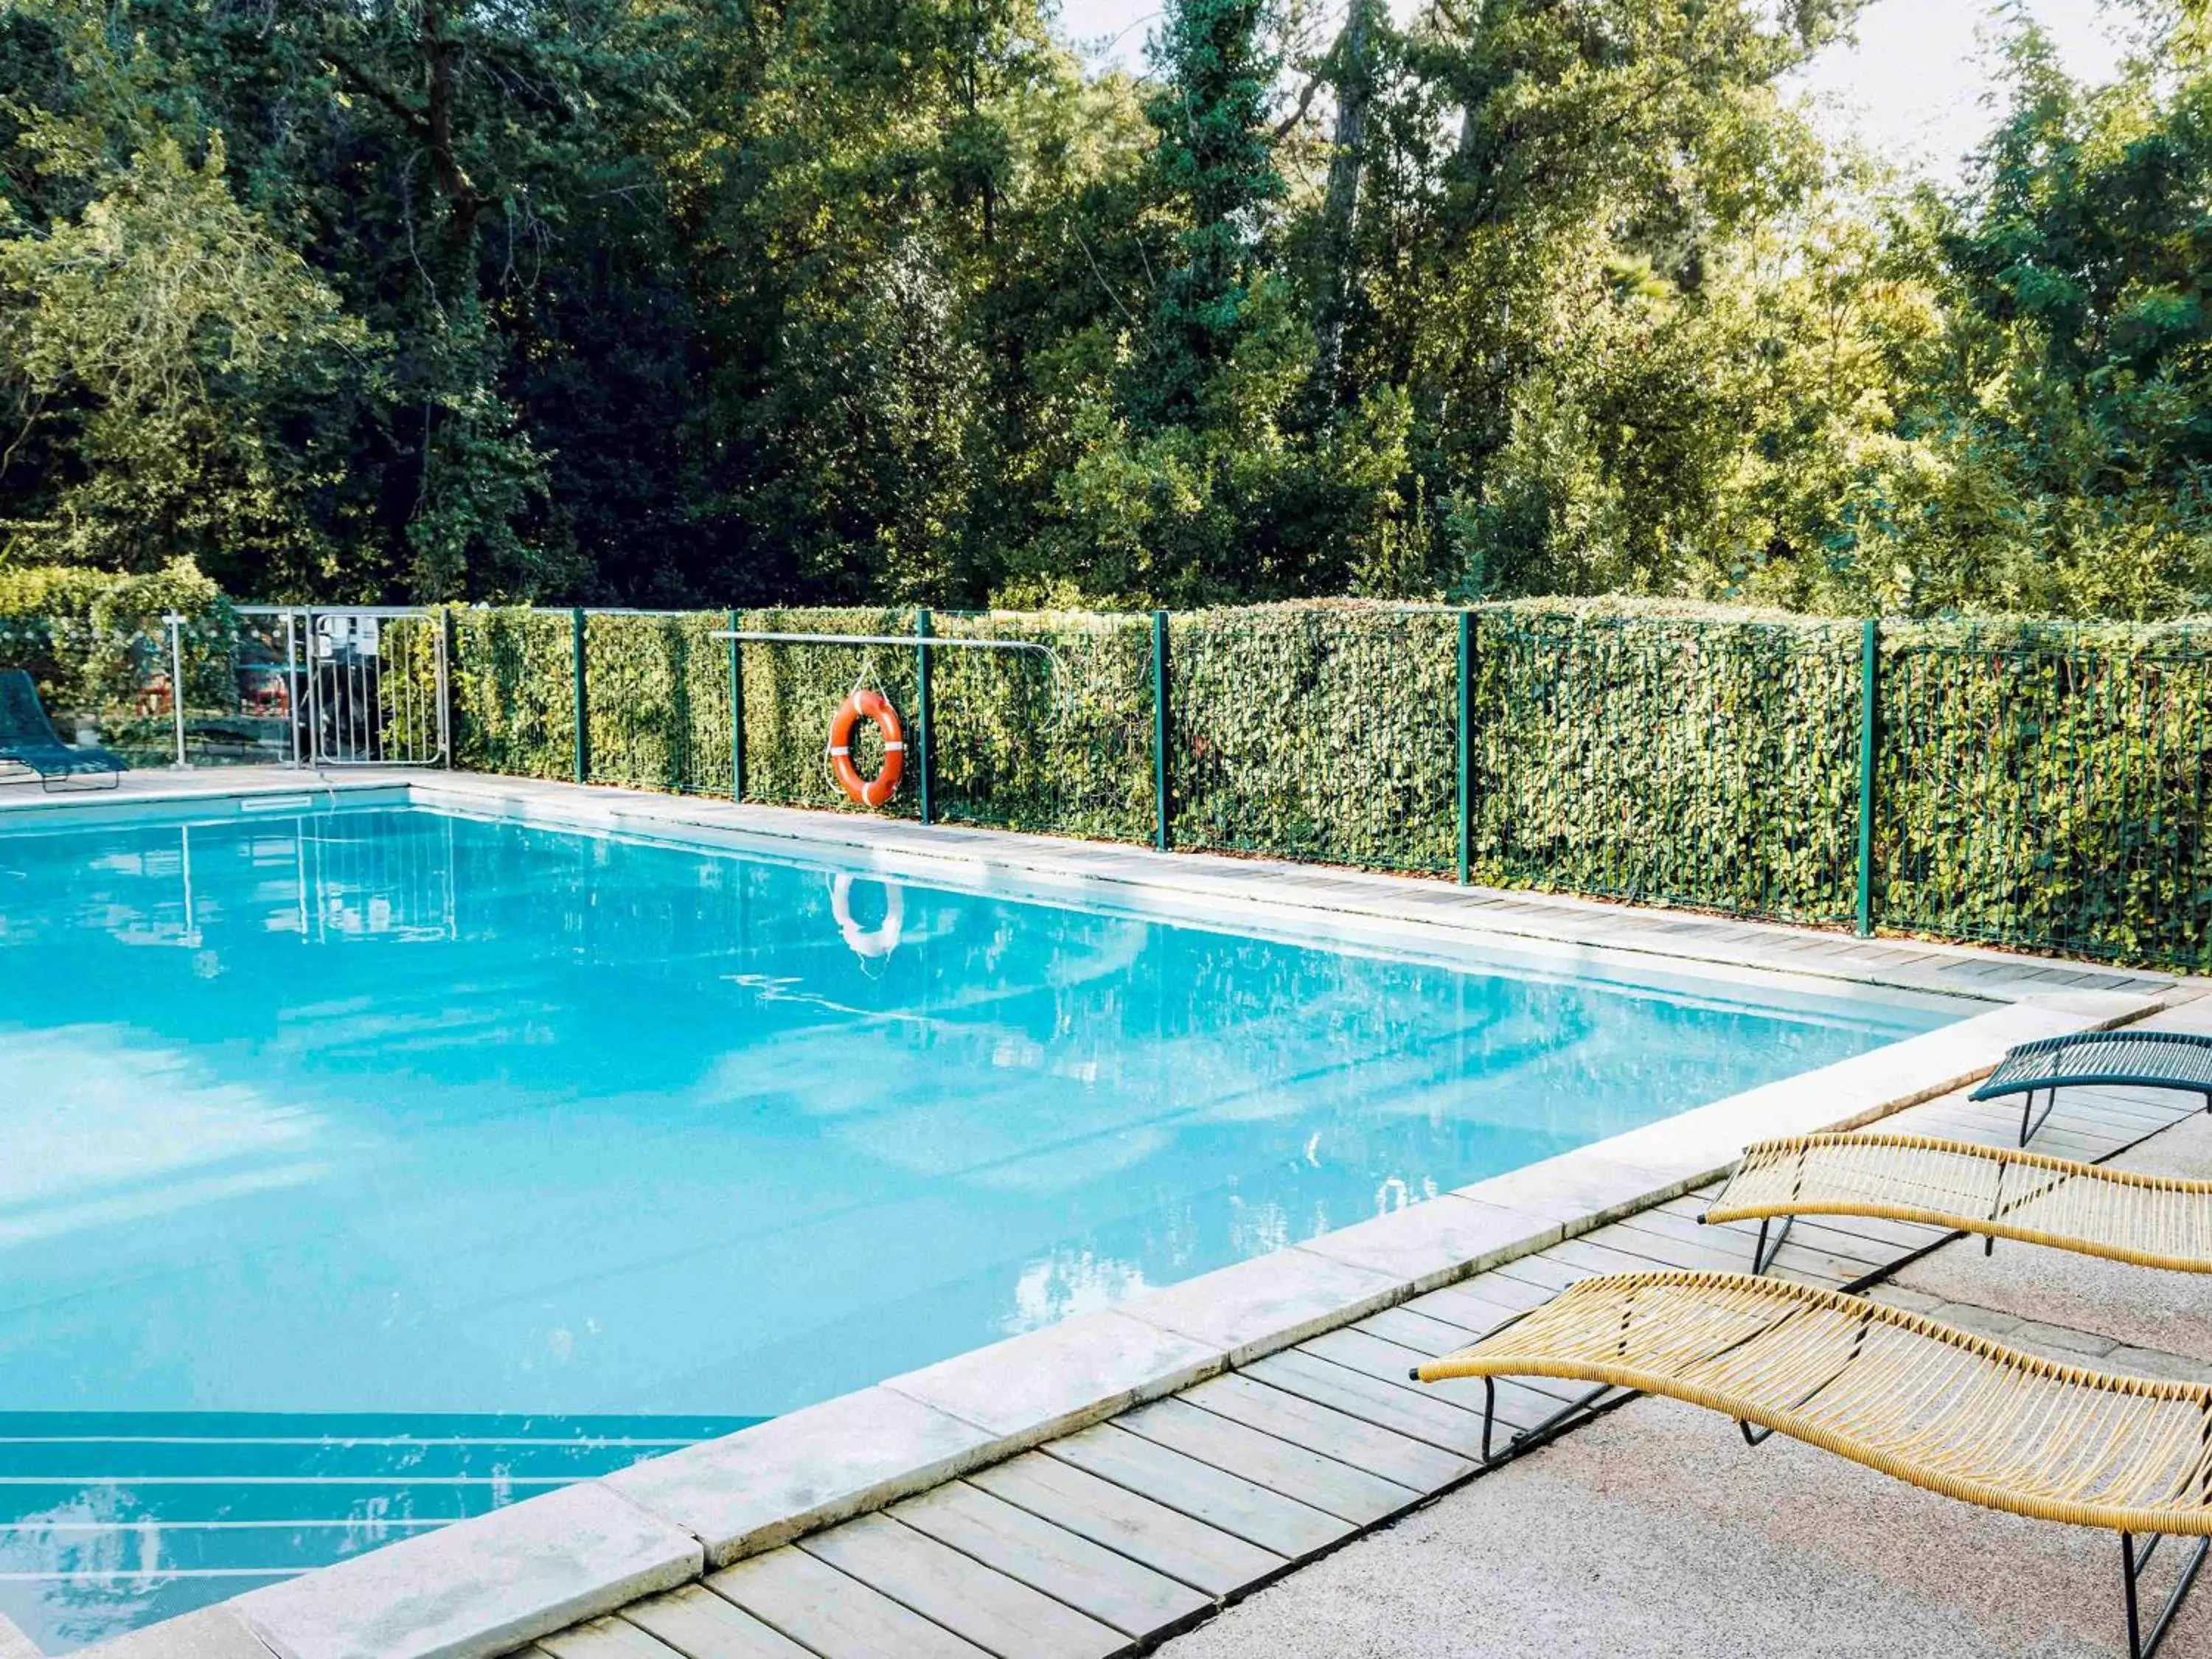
x: 2049, y: 792
x: 1316, y: 733
x: 791, y: 691
x: 1656, y: 759
x: 657, y: 693
x: 1058, y: 739
x: 514, y: 677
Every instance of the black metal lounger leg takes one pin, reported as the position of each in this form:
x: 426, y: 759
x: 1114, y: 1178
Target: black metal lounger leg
x: 1584, y: 1403
x: 1762, y: 1256
x: 1579, y: 1406
x: 2140, y: 1645
x: 2027, y: 1127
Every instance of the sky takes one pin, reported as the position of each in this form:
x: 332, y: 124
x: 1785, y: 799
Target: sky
x: 1912, y: 84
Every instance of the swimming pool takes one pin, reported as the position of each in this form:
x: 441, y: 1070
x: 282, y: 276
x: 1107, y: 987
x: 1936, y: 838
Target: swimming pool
x: 372, y: 1167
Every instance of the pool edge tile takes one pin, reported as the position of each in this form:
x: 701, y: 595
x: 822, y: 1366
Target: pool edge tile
x: 1269, y: 1303
x: 216, y: 1633
x: 1427, y: 1245
x: 824, y: 1463
x: 1043, y: 1384
x: 480, y: 1588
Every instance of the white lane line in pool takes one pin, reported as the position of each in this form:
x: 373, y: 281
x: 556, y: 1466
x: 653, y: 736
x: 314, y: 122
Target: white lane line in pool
x: 167, y: 1527
x: 308, y: 1440
x: 142, y: 1576
x: 290, y: 1480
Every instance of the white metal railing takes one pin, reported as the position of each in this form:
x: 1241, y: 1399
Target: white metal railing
x: 362, y: 685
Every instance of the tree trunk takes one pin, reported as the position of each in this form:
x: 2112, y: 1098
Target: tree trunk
x: 1355, y: 91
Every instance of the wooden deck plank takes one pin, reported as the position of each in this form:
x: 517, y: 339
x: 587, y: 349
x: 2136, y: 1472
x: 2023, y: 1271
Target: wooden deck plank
x: 1880, y: 1240
x: 1319, y: 1481
x: 1165, y: 1540
x: 998, y: 1614
x: 700, y: 1625
x: 606, y: 1638
x: 1804, y: 1255
x: 1390, y: 1362
x: 1412, y: 1464
x: 1542, y: 1269
x: 1131, y: 1525
x: 1710, y: 1252
x: 831, y: 1613
x: 1087, y: 1577
x: 1243, y: 1508
x: 1481, y: 1305
x: 1422, y: 1333
x: 1392, y: 1406
x: 1794, y: 1262
x: 1732, y: 1242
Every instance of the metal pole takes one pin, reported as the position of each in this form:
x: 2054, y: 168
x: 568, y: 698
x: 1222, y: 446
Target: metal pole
x: 583, y: 710
x: 314, y: 695
x: 177, y: 682
x: 292, y: 712
x: 1870, y: 668
x: 736, y: 714
x: 445, y: 626
x: 921, y: 712
x: 1466, y: 744
x: 1160, y: 836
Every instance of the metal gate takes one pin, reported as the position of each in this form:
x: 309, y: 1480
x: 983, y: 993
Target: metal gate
x: 375, y: 688
x: 362, y: 685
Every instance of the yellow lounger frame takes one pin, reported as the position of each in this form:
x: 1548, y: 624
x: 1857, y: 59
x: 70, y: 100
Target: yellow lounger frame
x: 1942, y: 1409
x: 2152, y: 1221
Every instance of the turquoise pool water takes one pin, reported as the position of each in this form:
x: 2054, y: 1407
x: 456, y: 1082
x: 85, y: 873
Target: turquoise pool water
x: 369, y: 1169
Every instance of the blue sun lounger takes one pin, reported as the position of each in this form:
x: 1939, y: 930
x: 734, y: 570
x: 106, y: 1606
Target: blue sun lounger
x: 27, y: 739
x: 2122, y: 1060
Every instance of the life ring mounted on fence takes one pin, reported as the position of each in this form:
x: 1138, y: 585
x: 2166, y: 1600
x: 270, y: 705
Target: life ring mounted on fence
x: 872, y: 706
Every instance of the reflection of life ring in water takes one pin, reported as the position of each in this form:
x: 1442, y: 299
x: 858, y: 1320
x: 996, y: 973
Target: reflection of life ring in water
x: 867, y: 942
x: 870, y: 706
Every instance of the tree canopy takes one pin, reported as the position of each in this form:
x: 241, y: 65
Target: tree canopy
x: 721, y: 301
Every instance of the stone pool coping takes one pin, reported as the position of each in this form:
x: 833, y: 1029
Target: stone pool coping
x: 487, y: 1586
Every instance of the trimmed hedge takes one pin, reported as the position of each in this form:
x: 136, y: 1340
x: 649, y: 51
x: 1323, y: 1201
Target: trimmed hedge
x: 2048, y: 785
x: 1712, y: 761
x: 1318, y: 732
x: 2036, y: 785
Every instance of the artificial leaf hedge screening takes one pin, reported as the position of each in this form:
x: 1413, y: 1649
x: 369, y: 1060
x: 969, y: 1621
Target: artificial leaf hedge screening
x: 2034, y: 784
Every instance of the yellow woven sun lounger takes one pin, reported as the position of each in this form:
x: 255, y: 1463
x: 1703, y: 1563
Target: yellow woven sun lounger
x: 1945, y: 1410
x: 2154, y: 1221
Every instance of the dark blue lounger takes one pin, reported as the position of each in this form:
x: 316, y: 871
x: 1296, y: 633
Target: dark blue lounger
x: 2125, y: 1060
x: 27, y: 739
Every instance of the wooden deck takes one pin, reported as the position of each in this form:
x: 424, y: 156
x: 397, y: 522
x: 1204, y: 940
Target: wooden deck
x: 1113, y: 1538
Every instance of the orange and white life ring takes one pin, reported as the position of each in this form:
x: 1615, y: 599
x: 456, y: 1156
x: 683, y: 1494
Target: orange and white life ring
x: 874, y: 706
x: 868, y: 943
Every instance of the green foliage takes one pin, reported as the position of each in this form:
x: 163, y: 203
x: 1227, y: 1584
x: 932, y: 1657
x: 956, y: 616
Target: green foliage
x: 1283, y: 746
x: 873, y: 305
x: 96, y: 642
x: 1699, y: 760
x: 514, y: 690
x: 150, y: 338
x: 2046, y: 784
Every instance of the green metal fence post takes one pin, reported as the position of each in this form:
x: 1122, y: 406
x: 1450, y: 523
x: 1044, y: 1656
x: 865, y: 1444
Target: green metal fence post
x: 922, y: 712
x: 1466, y: 744
x: 1160, y: 837
x: 1869, y: 667
x: 736, y: 716
x: 583, y: 706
